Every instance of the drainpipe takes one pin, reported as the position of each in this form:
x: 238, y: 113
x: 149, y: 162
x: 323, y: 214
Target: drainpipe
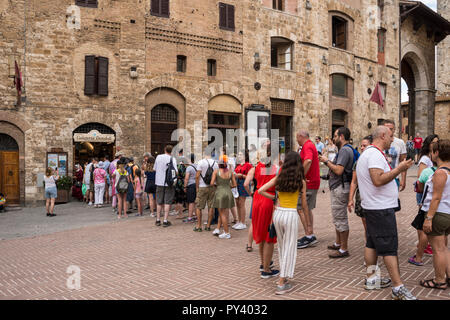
x: 24, y: 73
x: 400, y: 75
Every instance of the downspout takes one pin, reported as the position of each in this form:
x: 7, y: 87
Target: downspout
x: 400, y: 76
x: 24, y: 49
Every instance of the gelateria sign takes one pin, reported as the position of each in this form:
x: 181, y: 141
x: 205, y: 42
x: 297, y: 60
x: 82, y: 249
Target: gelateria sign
x: 93, y: 136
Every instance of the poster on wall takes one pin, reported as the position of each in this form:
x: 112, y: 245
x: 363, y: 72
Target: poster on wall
x: 257, y: 127
x: 52, y: 160
x: 62, y: 167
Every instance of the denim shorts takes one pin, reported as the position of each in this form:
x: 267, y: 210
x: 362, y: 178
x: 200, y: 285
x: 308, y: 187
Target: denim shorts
x: 51, y: 193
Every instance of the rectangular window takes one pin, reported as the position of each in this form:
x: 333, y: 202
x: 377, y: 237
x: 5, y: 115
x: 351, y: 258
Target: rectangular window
x: 226, y: 16
x: 281, y: 53
x: 381, y: 45
x: 160, y: 8
x: 382, y: 87
x: 181, y: 63
x: 87, y: 3
x: 339, y: 33
x: 339, y: 85
x: 211, y: 67
x: 96, y: 76
x: 380, y: 4
x: 277, y: 5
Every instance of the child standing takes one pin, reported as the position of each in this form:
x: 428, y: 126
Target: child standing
x: 137, y: 184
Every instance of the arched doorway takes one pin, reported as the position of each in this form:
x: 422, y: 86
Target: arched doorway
x: 164, y: 120
x: 338, y: 119
x: 9, y: 168
x: 93, y: 140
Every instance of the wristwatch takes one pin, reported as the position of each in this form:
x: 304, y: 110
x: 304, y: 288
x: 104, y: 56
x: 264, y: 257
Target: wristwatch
x: 428, y: 218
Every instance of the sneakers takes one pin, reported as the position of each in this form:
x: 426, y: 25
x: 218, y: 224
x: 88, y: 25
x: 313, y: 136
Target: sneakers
x: 188, y: 220
x: 173, y: 213
x: 239, y: 226
x: 428, y: 250
x: 158, y: 223
x: 272, y: 273
x: 402, y: 294
x: 90, y: 204
x: 225, y: 236
x: 339, y: 254
x: 377, y: 283
x: 216, y: 232
x: 286, y: 287
x: 306, y: 242
x: 261, y: 268
x: 153, y: 215
x: 167, y: 224
x: 413, y: 261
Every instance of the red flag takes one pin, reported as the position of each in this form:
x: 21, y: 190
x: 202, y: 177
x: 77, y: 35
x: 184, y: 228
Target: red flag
x: 18, y: 79
x: 377, y: 97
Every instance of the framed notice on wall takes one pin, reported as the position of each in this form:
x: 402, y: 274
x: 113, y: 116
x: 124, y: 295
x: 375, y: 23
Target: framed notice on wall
x: 57, y: 160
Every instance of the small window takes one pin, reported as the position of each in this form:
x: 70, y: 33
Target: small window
x: 160, y: 8
x: 281, y: 53
x: 181, y: 63
x: 382, y: 88
x: 211, y: 67
x: 278, y: 5
x: 339, y: 85
x: 226, y: 16
x: 339, y: 32
x: 381, y: 45
x: 87, y: 3
x: 96, y: 76
x: 380, y: 4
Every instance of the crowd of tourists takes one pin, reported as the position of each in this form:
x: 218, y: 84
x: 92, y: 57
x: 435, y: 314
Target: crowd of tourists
x: 366, y: 180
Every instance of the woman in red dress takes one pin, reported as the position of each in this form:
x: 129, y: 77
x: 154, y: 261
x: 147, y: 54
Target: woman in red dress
x: 78, y: 181
x: 262, y: 214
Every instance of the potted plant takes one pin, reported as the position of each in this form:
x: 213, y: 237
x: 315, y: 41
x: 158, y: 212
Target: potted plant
x: 64, y: 185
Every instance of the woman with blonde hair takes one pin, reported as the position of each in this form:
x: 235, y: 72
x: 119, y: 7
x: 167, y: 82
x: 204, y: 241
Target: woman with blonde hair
x: 51, y: 192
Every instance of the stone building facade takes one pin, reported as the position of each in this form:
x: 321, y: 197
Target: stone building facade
x: 308, y: 64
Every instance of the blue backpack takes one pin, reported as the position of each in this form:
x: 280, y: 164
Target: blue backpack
x: 356, y: 154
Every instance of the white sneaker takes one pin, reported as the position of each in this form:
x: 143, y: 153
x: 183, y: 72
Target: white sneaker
x: 225, y: 236
x: 153, y: 215
x: 241, y: 226
x: 216, y: 232
x: 236, y: 225
x: 90, y: 204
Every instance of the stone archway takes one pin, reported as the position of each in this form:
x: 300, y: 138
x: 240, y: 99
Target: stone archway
x: 417, y: 75
x: 163, y: 96
x: 12, y: 162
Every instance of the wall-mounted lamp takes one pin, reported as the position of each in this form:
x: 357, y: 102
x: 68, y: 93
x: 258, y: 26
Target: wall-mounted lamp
x: 257, y: 64
x: 394, y: 26
x: 324, y: 60
x: 370, y: 73
x: 133, y: 73
x: 358, y: 68
x: 308, y: 68
x: 308, y: 5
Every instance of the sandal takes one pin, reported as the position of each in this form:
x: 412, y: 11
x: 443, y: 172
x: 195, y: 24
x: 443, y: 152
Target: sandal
x: 435, y: 285
x: 249, y: 248
x: 207, y: 228
x: 197, y: 229
x: 413, y: 261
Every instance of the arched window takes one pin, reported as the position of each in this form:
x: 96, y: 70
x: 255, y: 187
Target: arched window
x: 7, y: 143
x: 281, y: 53
x: 88, y: 127
x: 164, y: 113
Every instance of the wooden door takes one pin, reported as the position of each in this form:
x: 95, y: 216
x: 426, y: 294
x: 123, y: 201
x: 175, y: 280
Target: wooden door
x: 9, y: 175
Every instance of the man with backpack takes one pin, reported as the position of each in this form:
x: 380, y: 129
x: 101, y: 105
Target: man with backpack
x: 341, y: 170
x: 205, y: 191
x: 165, y: 179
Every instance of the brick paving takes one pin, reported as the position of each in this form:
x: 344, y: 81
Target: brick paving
x: 134, y: 259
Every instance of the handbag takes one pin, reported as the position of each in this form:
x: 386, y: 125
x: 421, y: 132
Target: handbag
x: 272, y: 231
x: 419, y: 220
x: 83, y: 189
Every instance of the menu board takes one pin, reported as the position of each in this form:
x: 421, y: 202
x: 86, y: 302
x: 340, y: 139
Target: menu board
x: 58, y: 160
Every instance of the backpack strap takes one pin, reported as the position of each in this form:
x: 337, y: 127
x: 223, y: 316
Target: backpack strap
x: 445, y: 168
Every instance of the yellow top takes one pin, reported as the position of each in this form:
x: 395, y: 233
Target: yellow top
x: 288, y: 199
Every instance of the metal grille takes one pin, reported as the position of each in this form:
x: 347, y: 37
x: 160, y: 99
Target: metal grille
x: 88, y: 127
x: 284, y: 107
x: 164, y: 113
x: 7, y: 143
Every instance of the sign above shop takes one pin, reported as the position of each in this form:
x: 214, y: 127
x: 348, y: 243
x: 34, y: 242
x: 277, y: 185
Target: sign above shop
x: 93, y: 136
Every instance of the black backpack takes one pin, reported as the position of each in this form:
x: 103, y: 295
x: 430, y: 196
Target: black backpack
x: 171, y: 174
x: 209, y: 173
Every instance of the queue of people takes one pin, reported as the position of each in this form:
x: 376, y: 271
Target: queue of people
x: 283, y: 195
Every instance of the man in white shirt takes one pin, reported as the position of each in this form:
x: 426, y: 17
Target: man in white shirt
x: 165, y: 194
x: 205, y: 191
x: 379, y: 198
x: 396, y: 153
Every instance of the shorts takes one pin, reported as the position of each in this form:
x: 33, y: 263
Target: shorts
x: 165, y: 195
x: 417, y: 151
x: 241, y: 190
x: 191, y: 193
x: 440, y: 225
x: 138, y: 195
x: 382, y: 231
x: 51, y: 193
x: 205, y: 196
x: 311, y: 196
x: 91, y: 187
x: 339, y: 202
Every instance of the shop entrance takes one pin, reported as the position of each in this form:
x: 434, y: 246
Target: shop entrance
x: 338, y: 119
x: 93, y: 140
x: 281, y: 118
x: 9, y: 168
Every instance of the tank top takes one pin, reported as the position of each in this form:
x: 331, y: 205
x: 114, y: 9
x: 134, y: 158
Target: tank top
x: 138, y: 185
x: 444, y: 204
x: 288, y: 199
x: 49, y: 182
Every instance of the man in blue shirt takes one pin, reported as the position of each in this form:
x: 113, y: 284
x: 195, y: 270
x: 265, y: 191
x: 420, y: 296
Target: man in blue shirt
x: 319, y: 145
